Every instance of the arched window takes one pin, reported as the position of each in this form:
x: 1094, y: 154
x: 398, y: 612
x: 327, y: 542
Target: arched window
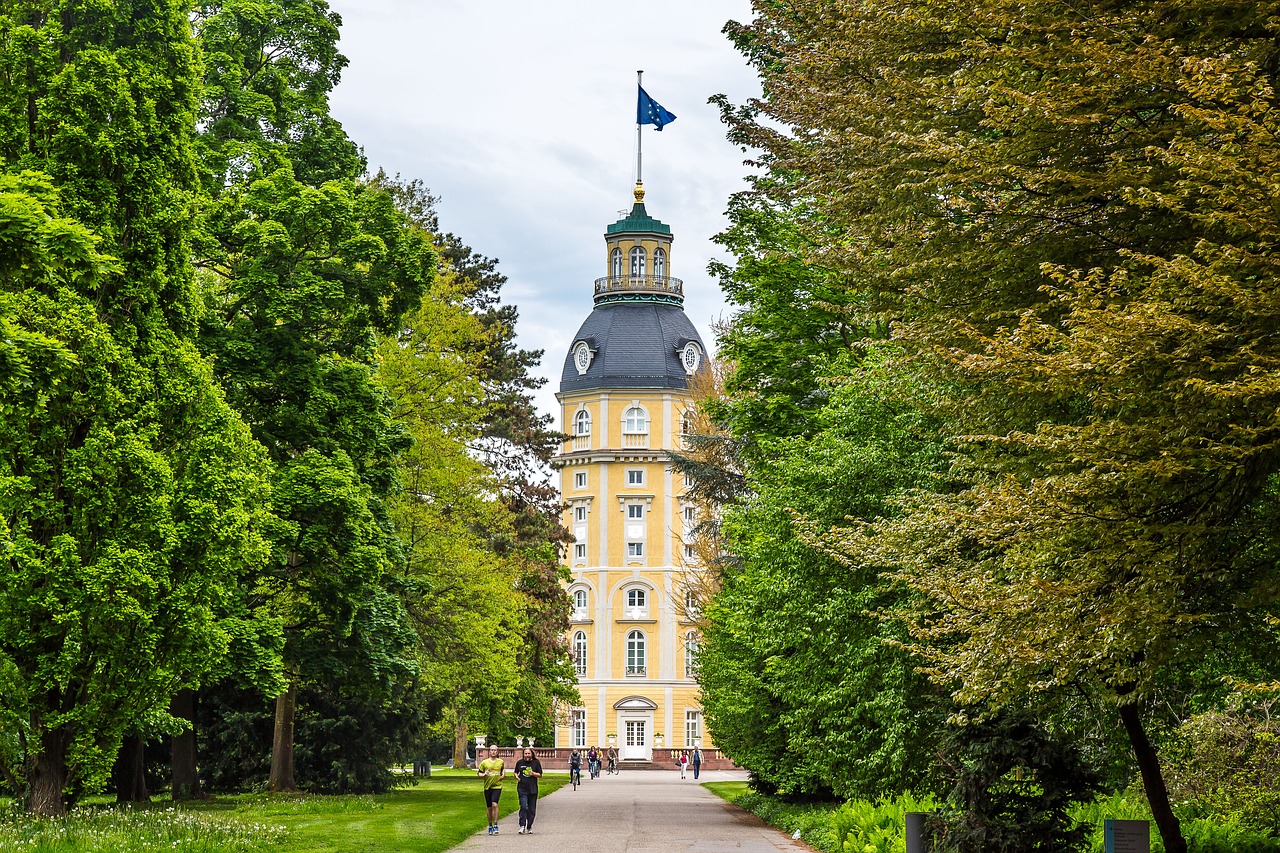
x: 637, y: 261
x: 659, y: 263
x: 635, y: 421
x: 636, y: 599
x: 690, y: 654
x: 580, y: 653
x: 582, y: 423
x: 616, y: 259
x: 635, y: 653
x: 580, y: 602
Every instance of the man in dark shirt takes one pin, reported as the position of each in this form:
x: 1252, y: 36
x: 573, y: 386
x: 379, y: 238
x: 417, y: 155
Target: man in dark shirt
x: 528, y: 772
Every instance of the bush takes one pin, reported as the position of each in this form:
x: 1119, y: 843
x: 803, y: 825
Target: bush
x: 1015, y: 786
x: 1224, y: 765
x: 1203, y: 835
x: 863, y: 827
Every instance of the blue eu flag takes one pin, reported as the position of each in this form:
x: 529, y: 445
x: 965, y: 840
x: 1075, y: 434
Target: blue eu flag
x: 649, y: 111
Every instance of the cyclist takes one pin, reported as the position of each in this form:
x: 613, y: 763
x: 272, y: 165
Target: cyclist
x: 611, y: 757
x: 575, y: 768
x: 593, y: 762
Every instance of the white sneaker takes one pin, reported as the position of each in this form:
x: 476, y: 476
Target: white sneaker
x: 520, y: 831
x: 529, y: 831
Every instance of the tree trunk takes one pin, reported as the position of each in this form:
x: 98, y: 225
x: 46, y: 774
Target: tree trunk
x: 47, y: 778
x: 282, y: 778
x: 460, y: 744
x: 1153, y: 781
x: 130, y: 771
x: 186, y: 775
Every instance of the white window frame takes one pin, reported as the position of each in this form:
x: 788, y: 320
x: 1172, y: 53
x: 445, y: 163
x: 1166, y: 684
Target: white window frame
x: 690, y: 654
x: 580, y: 600
x: 582, y: 422
x: 580, y: 550
x: 580, y: 654
x: 579, y: 479
x: 578, y: 728
x: 659, y: 263
x: 636, y: 651
x: 635, y: 512
x: 639, y: 260
x: 635, y: 476
x: 635, y: 421
x: 692, y: 727
x: 635, y: 550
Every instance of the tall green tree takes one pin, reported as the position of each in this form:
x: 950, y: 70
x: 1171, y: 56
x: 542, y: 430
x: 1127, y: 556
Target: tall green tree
x: 1065, y: 208
x: 132, y: 491
x: 299, y: 280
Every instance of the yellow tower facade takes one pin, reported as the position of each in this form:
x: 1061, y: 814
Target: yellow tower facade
x: 624, y: 397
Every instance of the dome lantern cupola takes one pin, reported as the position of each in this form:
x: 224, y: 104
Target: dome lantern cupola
x: 637, y: 334
x: 638, y: 253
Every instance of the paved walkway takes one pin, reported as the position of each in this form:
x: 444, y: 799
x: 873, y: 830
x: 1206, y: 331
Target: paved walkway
x: 642, y: 811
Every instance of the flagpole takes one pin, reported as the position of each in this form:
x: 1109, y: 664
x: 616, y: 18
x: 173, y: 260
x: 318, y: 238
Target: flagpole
x: 639, y: 155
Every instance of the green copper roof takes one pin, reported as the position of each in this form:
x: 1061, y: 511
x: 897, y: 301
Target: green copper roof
x: 638, y: 220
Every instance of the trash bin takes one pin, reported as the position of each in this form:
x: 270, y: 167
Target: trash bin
x: 422, y: 768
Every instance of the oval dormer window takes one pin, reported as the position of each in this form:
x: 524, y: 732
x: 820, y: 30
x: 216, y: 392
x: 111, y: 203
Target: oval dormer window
x: 581, y: 357
x: 691, y: 357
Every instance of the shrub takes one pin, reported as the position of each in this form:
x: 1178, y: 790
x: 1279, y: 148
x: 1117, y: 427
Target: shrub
x: 864, y: 827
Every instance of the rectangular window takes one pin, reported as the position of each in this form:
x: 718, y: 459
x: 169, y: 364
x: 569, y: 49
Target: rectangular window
x: 635, y: 549
x: 692, y: 728
x: 689, y: 553
x: 578, y: 728
x: 580, y: 479
x: 635, y: 511
x: 580, y: 552
x: 690, y: 515
x: 635, y: 476
x: 579, y: 513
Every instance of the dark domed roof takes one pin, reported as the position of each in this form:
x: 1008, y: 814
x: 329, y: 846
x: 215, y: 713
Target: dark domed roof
x: 635, y: 345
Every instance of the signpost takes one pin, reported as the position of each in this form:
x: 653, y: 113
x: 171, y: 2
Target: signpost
x: 1127, y: 836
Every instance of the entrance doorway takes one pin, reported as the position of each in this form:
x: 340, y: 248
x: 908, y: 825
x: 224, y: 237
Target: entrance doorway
x: 636, y: 742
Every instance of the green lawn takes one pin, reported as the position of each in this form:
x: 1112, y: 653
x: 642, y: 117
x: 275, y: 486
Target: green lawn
x: 432, y: 816
x: 727, y: 790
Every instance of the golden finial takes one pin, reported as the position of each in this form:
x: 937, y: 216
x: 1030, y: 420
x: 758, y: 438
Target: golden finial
x: 639, y: 192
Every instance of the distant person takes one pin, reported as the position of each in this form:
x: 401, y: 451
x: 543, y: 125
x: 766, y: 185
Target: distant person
x: 593, y: 762
x: 683, y: 761
x: 697, y: 761
x: 575, y: 767
x: 611, y: 759
x: 528, y: 771
x: 492, y: 770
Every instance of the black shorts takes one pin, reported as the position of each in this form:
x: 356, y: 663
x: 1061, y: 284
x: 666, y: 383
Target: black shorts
x: 491, y: 796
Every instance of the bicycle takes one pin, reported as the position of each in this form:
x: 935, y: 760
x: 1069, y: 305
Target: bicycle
x: 595, y: 769
x: 575, y: 777
x: 612, y: 767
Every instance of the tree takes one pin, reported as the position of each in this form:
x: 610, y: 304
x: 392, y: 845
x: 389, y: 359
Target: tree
x: 132, y: 496
x: 300, y: 279
x: 802, y: 680
x: 1063, y: 208
x: 457, y: 377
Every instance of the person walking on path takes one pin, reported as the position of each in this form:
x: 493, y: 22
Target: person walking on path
x: 492, y: 770
x: 528, y: 771
x: 697, y: 761
x: 683, y: 761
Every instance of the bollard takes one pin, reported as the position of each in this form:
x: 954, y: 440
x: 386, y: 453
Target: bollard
x: 915, y: 831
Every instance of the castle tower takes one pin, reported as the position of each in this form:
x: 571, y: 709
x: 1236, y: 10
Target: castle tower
x: 624, y: 393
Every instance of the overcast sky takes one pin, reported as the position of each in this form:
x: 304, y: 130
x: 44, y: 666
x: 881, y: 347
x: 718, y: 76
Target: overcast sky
x: 520, y: 116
